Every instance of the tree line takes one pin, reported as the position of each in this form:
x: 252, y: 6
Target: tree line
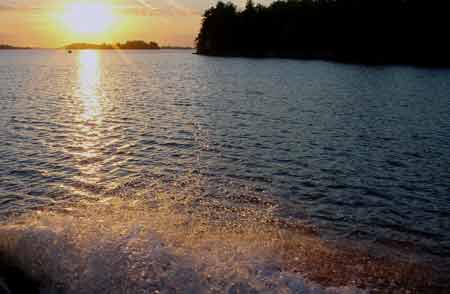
x: 128, y: 45
x: 9, y: 47
x: 367, y: 31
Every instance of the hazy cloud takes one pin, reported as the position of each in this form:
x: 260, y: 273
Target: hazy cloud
x: 131, y: 7
x: 168, y: 11
x: 17, y: 7
x: 4, y: 7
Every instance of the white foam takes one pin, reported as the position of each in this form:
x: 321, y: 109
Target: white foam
x: 116, y: 247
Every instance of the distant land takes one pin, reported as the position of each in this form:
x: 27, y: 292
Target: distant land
x: 9, y: 47
x: 352, y: 31
x: 129, y: 45
x: 177, y: 47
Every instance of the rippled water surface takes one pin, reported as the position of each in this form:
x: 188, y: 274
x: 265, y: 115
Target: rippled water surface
x: 359, y: 152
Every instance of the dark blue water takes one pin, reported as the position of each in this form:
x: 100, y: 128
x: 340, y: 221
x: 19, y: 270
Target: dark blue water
x: 360, y: 152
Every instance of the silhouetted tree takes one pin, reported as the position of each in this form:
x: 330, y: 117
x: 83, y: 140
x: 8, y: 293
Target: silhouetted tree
x: 218, y: 21
x: 9, y: 47
x: 128, y: 45
x: 372, y: 31
x: 153, y: 45
x: 138, y: 45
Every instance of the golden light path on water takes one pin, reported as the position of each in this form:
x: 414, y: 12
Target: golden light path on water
x: 89, y: 136
x: 89, y: 85
x: 95, y: 142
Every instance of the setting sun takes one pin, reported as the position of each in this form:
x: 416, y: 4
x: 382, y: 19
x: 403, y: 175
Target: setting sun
x: 88, y: 18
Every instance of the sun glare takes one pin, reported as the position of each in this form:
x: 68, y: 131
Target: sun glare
x: 88, y: 18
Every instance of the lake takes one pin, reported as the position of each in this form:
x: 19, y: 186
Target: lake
x: 358, y: 153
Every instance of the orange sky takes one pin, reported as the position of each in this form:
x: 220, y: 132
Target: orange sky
x: 38, y: 22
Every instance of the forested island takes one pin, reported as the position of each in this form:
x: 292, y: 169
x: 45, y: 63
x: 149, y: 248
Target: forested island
x: 9, y: 47
x: 357, y: 31
x: 125, y: 46
x: 176, y: 47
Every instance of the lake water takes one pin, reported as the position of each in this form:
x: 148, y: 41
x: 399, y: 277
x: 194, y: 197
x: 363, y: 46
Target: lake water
x: 359, y: 153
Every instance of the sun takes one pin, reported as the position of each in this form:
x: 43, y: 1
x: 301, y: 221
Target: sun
x: 88, y: 18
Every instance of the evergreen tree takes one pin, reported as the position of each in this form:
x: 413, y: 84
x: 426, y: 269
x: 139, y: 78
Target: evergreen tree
x: 370, y: 31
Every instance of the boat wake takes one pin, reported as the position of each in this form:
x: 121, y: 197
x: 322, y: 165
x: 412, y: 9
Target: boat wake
x: 167, y: 238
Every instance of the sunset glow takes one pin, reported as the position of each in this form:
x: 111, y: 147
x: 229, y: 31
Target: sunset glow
x: 88, y: 18
x: 53, y: 24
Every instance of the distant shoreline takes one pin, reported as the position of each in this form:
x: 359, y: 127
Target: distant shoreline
x: 106, y: 49
x: 128, y: 45
x: 9, y: 47
x: 64, y: 49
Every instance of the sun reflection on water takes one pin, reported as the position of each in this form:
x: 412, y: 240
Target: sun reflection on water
x: 89, y: 79
x: 89, y: 136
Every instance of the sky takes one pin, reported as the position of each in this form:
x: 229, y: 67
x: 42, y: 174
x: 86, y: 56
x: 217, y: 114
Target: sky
x: 44, y: 23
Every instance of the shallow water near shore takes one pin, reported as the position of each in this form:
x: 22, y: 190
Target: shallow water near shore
x: 231, y: 174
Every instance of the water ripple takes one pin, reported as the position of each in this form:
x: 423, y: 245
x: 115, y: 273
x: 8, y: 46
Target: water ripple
x: 366, y: 155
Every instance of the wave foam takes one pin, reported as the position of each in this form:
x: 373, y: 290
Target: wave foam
x: 173, y: 241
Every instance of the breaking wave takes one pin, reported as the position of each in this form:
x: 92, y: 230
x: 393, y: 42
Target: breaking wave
x: 165, y: 237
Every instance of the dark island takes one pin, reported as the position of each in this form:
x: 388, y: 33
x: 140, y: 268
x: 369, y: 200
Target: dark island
x: 169, y: 47
x: 355, y: 31
x: 9, y: 47
x: 142, y: 45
